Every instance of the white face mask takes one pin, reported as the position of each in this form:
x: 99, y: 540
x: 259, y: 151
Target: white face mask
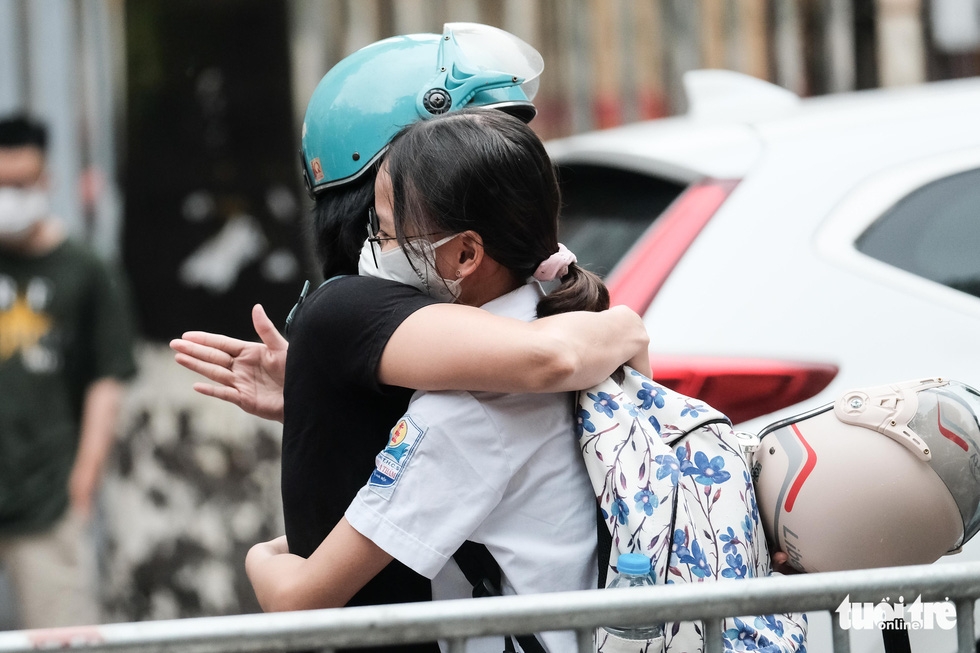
x: 404, y: 265
x: 21, y: 208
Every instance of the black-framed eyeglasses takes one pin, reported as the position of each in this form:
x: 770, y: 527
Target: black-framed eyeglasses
x: 374, y: 227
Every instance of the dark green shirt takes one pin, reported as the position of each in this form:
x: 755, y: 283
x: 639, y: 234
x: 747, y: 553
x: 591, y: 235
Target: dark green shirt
x: 63, y: 324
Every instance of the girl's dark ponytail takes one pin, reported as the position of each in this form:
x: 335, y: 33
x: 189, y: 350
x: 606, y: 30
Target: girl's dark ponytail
x: 580, y: 290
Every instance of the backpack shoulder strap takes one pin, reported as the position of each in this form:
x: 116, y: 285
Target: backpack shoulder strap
x: 483, y: 573
x: 302, y: 298
x: 481, y: 570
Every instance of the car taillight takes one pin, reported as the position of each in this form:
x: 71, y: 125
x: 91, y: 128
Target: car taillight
x: 638, y: 278
x: 742, y: 388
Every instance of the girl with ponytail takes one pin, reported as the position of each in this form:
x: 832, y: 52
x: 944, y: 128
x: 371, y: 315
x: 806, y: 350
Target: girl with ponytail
x: 466, y: 209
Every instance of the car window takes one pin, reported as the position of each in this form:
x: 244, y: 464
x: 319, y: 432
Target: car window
x: 934, y: 232
x: 606, y: 210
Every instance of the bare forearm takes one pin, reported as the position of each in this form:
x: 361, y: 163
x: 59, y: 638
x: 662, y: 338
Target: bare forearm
x: 98, y: 428
x: 272, y: 574
x: 340, y: 566
x: 448, y: 347
x: 599, y: 343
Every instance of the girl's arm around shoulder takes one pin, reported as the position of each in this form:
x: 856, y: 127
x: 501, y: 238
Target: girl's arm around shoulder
x: 343, y: 563
x: 454, y: 347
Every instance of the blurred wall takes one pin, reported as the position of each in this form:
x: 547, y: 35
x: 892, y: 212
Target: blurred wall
x: 614, y: 61
x: 193, y: 108
x: 215, y: 211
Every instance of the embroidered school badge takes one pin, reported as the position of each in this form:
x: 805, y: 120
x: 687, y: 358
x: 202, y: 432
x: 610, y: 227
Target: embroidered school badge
x: 403, y: 439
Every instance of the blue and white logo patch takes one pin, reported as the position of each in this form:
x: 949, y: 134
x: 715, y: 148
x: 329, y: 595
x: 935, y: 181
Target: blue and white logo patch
x: 388, y: 465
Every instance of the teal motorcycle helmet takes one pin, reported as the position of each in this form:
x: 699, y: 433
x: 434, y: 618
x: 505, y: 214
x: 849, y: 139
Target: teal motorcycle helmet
x: 362, y: 102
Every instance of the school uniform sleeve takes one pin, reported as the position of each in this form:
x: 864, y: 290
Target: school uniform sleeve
x: 435, y: 482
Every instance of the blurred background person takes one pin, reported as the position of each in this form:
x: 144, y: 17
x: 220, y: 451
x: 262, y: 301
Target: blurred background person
x: 65, y: 349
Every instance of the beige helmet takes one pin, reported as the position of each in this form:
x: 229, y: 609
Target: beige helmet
x: 884, y: 476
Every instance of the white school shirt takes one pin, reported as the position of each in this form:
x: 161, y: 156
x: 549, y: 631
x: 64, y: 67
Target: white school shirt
x: 500, y: 469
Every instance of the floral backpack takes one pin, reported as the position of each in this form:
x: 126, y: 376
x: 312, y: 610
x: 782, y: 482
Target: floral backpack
x: 672, y: 483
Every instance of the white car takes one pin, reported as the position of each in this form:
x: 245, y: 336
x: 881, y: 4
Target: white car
x: 784, y: 250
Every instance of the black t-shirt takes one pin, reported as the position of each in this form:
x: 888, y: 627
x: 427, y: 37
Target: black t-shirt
x: 64, y: 324
x: 337, y: 416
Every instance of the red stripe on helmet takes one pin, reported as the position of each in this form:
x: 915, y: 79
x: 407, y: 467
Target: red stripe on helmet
x: 808, y: 465
x: 949, y: 435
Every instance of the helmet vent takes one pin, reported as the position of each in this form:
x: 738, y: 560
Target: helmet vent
x: 437, y: 101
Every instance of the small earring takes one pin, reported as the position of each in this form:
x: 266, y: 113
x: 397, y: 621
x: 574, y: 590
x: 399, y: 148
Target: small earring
x: 458, y: 274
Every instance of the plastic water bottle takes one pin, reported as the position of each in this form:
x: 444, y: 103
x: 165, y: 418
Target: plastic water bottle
x: 634, y: 571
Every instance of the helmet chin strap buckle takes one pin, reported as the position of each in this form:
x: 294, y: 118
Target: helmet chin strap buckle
x: 457, y: 80
x: 888, y: 409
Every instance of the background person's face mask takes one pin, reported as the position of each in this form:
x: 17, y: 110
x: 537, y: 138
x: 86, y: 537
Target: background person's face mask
x: 21, y: 208
x: 404, y: 265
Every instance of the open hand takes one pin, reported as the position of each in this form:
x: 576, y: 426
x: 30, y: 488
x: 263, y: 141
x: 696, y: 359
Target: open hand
x: 248, y: 374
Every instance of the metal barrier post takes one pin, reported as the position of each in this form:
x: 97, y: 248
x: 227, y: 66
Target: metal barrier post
x: 457, y: 646
x: 842, y: 639
x: 712, y: 635
x: 965, y: 639
x: 586, y: 643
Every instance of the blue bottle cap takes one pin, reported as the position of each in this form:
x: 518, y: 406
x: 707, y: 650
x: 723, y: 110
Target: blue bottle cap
x: 636, y: 564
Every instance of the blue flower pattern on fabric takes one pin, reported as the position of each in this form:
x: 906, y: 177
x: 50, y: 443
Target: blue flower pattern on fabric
x: 731, y: 541
x: 735, y: 569
x: 655, y: 424
x: 770, y: 622
x: 646, y: 501
x: 679, y: 547
x: 620, y: 510
x: 696, y: 558
x: 743, y: 635
x: 650, y: 395
x: 669, y: 466
x: 582, y: 422
x: 692, y: 410
x: 604, y: 403
x: 799, y: 640
x: 748, y: 530
x: 707, y: 471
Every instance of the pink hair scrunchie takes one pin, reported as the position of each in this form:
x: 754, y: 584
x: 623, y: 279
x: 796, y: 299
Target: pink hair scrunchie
x: 556, y: 265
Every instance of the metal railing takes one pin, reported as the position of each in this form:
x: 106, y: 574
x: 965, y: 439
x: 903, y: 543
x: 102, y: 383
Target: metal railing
x: 455, y: 621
